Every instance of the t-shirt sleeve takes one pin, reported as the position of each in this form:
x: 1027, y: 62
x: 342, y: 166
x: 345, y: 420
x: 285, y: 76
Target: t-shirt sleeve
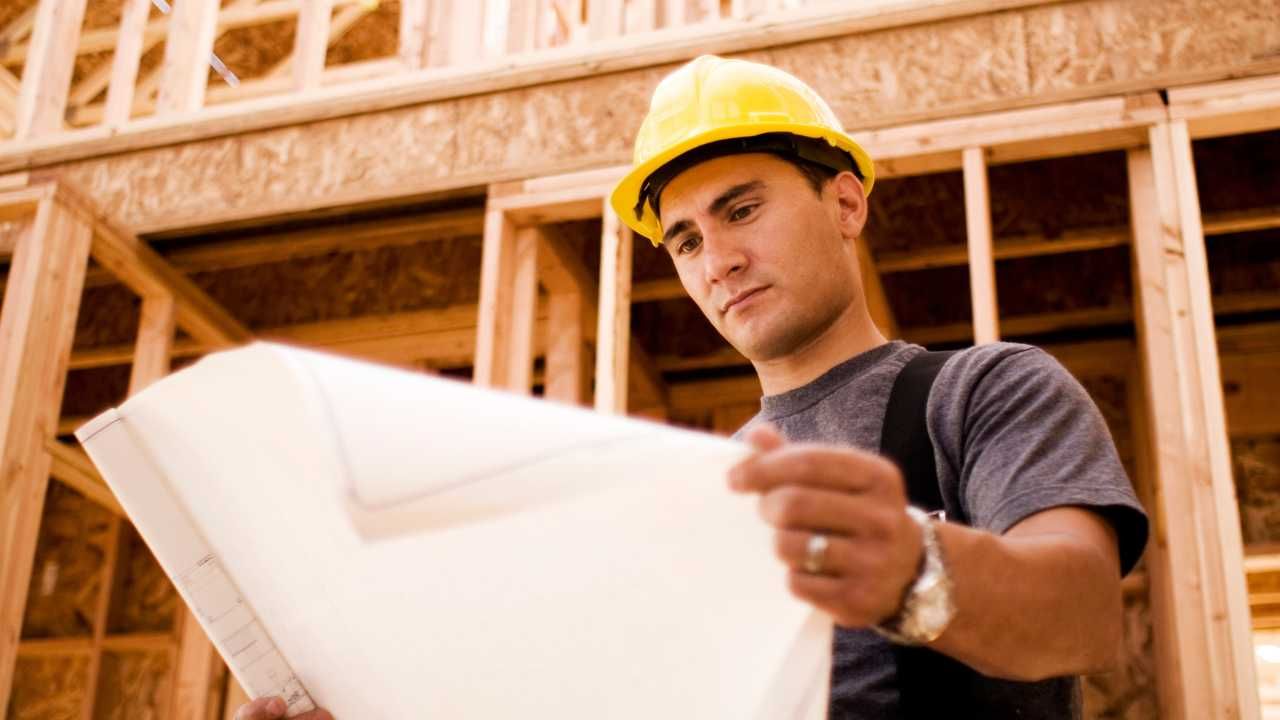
x: 1019, y: 435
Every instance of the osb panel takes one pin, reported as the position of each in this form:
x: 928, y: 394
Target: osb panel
x: 914, y: 70
x: 591, y: 118
x: 49, y: 688
x: 1257, y: 474
x: 1101, y: 42
x: 67, y: 574
x: 1129, y: 692
x: 877, y: 78
x: 133, y: 686
x: 304, y: 166
x: 145, y: 601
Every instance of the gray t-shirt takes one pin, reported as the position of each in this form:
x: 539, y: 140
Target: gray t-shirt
x: 1013, y: 434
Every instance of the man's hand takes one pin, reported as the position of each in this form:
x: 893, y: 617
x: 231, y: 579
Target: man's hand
x: 857, y: 501
x: 270, y: 708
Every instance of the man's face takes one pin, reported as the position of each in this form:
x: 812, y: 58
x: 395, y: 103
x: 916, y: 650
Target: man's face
x: 771, y: 263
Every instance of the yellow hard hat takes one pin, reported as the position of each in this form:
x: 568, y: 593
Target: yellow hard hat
x: 713, y: 102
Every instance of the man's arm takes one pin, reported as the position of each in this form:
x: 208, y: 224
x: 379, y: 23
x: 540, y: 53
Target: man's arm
x: 1040, y: 601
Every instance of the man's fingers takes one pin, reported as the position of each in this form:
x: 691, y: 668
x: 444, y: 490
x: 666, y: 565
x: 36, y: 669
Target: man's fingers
x: 832, y: 468
x: 264, y: 708
x: 764, y: 437
x: 792, y: 548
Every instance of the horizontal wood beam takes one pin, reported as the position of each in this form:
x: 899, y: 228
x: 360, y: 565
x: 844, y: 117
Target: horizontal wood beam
x: 146, y: 273
x: 444, y: 337
x: 413, y: 87
x: 297, y: 244
x: 72, y: 467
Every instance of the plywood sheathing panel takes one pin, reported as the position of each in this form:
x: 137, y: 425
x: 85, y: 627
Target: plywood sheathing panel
x: 874, y: 79
x: 914, y: 70
x: 1098, y: 42
x: 316, y: 164
x: 49, y: 688
x: 67, y: 572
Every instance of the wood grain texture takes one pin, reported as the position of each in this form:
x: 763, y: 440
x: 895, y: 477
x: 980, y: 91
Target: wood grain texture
x: 872, y: 79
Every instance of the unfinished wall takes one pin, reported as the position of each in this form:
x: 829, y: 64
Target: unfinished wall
x: 1073, y: 49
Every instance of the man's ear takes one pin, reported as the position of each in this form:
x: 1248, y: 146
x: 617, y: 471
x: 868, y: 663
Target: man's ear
x: 851, y: 203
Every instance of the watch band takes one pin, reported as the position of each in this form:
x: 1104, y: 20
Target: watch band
x: 928, y: 607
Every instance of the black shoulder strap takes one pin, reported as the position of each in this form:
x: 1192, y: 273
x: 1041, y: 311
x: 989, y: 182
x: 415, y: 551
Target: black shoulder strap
x: 930, y: 685
x: 904, y: 437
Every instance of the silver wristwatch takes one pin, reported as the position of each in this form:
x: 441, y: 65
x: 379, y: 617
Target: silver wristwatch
x: 928, y: 607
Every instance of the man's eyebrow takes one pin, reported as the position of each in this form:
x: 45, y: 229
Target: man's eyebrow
x: 717, y: 206
x: 734, y: 193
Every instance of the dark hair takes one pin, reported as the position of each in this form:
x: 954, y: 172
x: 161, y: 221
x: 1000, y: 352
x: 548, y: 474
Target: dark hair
x: 816, y: 174
x: 818, y: 161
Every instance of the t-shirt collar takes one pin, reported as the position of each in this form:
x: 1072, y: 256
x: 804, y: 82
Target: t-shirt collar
x: 793, y: 401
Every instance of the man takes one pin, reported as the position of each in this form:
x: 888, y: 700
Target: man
x: 747, y: 179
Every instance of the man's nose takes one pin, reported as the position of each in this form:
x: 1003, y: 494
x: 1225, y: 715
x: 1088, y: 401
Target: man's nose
x: 724, y: 257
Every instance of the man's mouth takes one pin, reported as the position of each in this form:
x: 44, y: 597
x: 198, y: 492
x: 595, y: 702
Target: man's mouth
x: 740, y: 297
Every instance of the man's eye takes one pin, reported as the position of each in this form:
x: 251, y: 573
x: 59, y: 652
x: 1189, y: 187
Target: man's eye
x: 688, y: 244
x: 742, y: 212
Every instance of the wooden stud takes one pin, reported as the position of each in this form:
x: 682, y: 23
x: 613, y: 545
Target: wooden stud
x: 1160, y: 581
x: 72, y: 467
x: 124, y: 65
x: 1208, y: 612
x: 311, y: 41
x: 567, y: 379
x: 640, y: 16
x: 982, y: 269
x: 873, y: 290
x: 36, y: 331
x: 493, y: 324
x: 46, y: 76
x: 522, y: 26
x: 415, y: 17
x: 145, y: 94
x: 10, y: 89
x: 524, y: 308
x: 19, y: 28
x: 613, y: 334
x: 604, y: 19
x: 146, y: 273
x: 465, y: 23
x: 571, y: 292
x: 563, y: 271
x: 193, y: 25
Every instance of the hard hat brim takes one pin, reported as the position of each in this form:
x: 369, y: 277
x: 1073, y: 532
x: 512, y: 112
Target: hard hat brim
x: 627, y: 192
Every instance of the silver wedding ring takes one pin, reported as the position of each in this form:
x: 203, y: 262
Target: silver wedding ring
x: 815, y: 554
